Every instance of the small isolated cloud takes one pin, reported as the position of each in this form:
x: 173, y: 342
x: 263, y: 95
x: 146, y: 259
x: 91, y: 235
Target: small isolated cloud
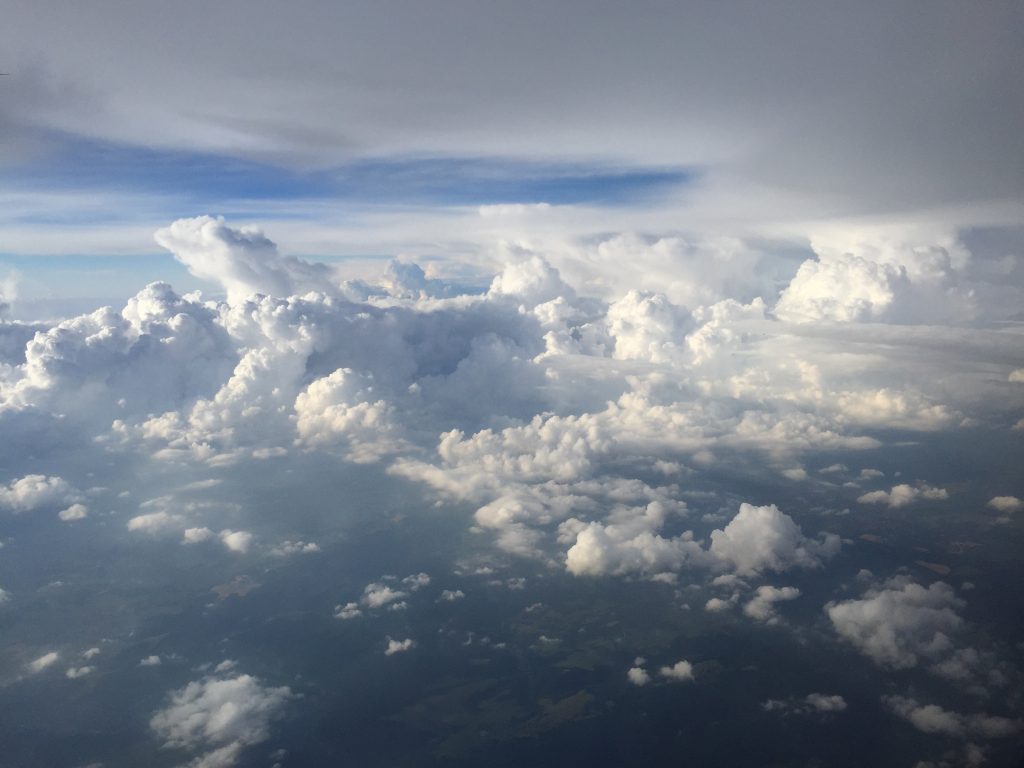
x: 154, y: 522
x: 4, y: 596
x: 236, y: 541
x: 823, y: 703
x: 398, y: 646
x: 73, y: 673
x: 679, y: 672
x: 451, y: 595
x: 43, y: 662
x: 765, y: 539
x: 74, y: 512
x: 221, y: 716
x: 638, y: 676
x: 1006, y: 504
x: 931, y: 718
x: 377, y: 595
x: 286, y: 548
x: 899, y: 622
x: 196, y: 535
x: 33, y: 491
x: 90, y: 653
x: 416, y: 581
x: 809, y: 704
x: 347, y: 611
x: 762, y: 606
x: 718, y: 605
x: 903, y: 495
x: 150, y: 661
x: 1016, y: 376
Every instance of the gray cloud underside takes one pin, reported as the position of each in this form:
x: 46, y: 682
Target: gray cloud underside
x: 866, y: 107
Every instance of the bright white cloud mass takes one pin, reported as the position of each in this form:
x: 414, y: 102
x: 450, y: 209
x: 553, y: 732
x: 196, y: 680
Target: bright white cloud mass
x: 459, y: 369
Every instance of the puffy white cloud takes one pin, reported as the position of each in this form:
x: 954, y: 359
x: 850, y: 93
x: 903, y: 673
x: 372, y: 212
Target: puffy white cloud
x: 347, y: 611
x: 73, y: 673
x: 196, y: 535
x: 638, y: 676
x: 680, y: 672
x: 903, y: 495
x: 74, y: 512
x: 398, y: 646
x: 826, y: 703
x: 339, y: 406
x: 219, y: 715
x: 154, y: 522
x: 931, y: 718
x: 872, y: 276
x: 629, y: 543
x: 377, y: 595
x: 242, y: 261
x: 150, y: 661
x: 718, y: 605
x: 417, y: 581
x: 765, y: 539
x: 531, y: 281
x: 762, y: 605
x: 451, y: 595
x: 45, y: 661
x: 1006, y: 503
x: 900, y: 621
x: 5, y: 596
x: 648, y: 327
x: 843, y: 289
x: 33, y: 491
x: 236, y: 541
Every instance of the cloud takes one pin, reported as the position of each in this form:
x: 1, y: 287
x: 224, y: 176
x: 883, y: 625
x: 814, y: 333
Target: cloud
x: 627, y: 545
x: 287, y: 548
x: 219, y: 715
x: 765, y: 539
x: 416, y: 581
x: 242, y: 261
x: 347, y: 611
x: 236, y: 541
x: 196, y: 535
x: 931, y: 718
x: 718, y: 605
x: 900, y: 621
x: 377, y: 595
x: 43, y: 662
x: 903, y: 495
x: 74, y: 512
x: 150, y: 661
x: 451, y: 595
x: 73, y: 673
x: 680, y: 672
x: 154, y: 522
x: 638, y: 676
x: 30, y: 492
x: 398, y: 646
x: 762, y: 606
x: 810, y: 704
x: 1006, y: 503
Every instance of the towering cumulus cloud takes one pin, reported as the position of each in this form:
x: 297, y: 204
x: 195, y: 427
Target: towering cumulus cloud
x: 692, y: 441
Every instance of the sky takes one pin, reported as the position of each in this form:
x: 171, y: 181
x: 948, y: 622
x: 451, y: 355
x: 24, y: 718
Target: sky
x: 455, y: 383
